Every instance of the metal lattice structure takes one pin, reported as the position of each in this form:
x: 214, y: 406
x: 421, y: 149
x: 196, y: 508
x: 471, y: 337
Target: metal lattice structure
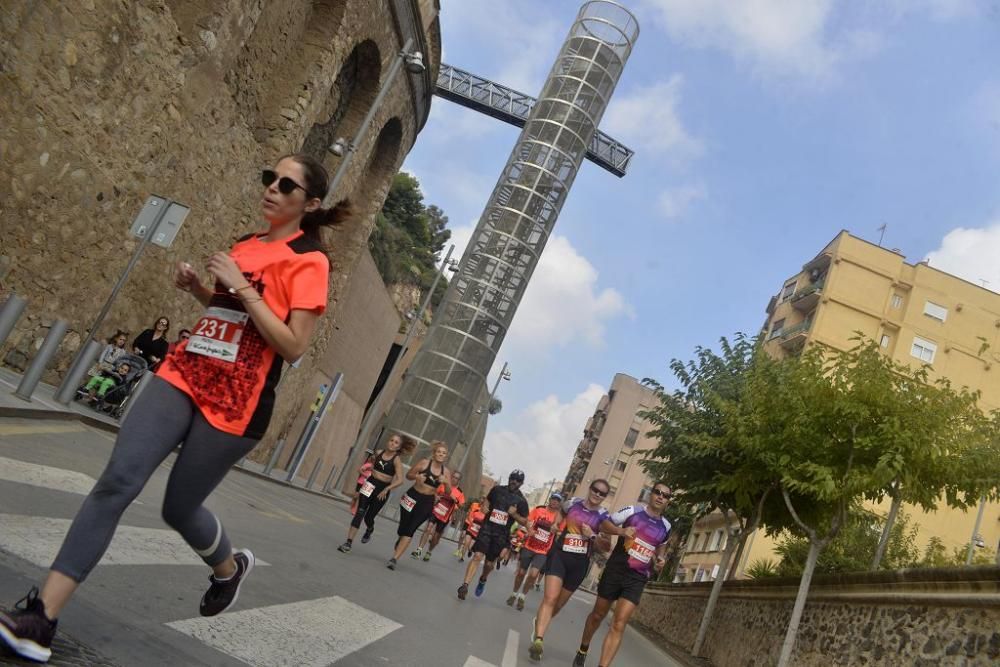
x: 506, y: 104
x: 436, y: 401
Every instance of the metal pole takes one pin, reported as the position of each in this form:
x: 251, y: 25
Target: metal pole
x: 482, y: 420
x: 329, y: 479
x: 328, y: 397
x: 10, y: 313
x: 312, y: 475
x: 42, y: 358
x: 975, y: 531
x: 278, y: 447
x: 374, y: 412
x: 74, y: 376
x: 390, y: 77
x: 78, y: 360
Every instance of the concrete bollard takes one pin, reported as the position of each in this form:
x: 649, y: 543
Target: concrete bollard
x: 329, y: 479
x: 312, y: 475
x: 10, y: 313
x: 278, y: 446
x: 29, y: 381
x: 74, y: 376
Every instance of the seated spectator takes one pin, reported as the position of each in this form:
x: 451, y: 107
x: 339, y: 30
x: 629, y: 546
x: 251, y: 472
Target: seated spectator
x: 181, y: 337
x: 151, y: 344
x: 98, y: 386
x: 111, y: 353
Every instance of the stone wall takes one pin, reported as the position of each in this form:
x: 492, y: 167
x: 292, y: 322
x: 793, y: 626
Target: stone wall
x: 944, y: 617
x: 104, y: 102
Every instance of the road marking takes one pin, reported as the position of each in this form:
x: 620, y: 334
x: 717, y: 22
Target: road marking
x: 40, y: 429
x: 37, y: 539
x: 313, y: 633
x: 510, y: 650
x: 47, y: 477
x: 473, y: 661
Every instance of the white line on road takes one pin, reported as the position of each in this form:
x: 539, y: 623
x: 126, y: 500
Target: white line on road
x: 510, y: 650
x: 37, y: 539
x: 473, y: 661
x: 313, y: 633
x: 46, y: 477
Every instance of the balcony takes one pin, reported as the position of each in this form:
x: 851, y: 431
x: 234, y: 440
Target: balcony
x: 805, y: 299
x: 795, y: 337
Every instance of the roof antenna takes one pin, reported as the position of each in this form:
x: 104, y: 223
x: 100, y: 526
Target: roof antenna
x: 882, y: 234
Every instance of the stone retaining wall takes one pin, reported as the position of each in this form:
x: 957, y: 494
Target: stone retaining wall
x: 944, y: 617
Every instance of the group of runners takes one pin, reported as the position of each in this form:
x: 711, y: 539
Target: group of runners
x: 215, y: 393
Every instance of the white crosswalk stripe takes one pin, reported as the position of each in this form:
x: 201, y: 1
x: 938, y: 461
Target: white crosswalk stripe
x: 37, y: 539
x: 509, y: 653
x: 313, y: 633
x: 45, y: 477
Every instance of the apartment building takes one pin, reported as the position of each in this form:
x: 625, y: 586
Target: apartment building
x: 919, y: 315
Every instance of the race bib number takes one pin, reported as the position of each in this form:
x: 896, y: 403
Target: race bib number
x: 442, y: 511
x: 641, y: 551
x: 499, y: 517
x: 474, y: 530
x: 575, y: 544
x: 366, y: 489
x: 407, y: 503
x: 542, y: 536
x: 218, y: 333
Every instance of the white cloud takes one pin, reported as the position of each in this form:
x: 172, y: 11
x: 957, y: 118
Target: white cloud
x: 971, y: 253
x: 648, y: 116
x: 776, y: 37
x: 673, y: 203
x: 544, y: 438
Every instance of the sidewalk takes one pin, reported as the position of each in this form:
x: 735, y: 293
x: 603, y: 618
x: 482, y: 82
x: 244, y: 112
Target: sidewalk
x: 43, y: 406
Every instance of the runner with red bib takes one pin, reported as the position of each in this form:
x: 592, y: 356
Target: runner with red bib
x: 473, y: 523
x: 542, y: 522
x: 445, y: 505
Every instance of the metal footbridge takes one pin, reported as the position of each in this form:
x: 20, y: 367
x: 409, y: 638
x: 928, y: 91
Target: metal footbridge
x: 506, y: 104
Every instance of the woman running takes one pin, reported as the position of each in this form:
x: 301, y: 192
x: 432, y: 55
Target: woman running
x: 215, y: 394
x: 634, y: 560
x: 417, y: 503
x: 386, y: 475
x: 569, y: 558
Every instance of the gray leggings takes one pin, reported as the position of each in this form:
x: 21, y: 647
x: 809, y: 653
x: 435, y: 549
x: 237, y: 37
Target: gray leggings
x: 162, y: 418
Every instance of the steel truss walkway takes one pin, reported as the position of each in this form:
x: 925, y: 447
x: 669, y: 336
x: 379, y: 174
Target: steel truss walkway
x: 510, y: 106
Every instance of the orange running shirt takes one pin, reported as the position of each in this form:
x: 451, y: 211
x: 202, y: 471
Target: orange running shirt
x: 445, y: 505
x: 473, y: 509
x: 542, y: 520
x: 226, y: 367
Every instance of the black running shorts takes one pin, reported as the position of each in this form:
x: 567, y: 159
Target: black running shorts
x: 529, y: 559
x: 619, y: 581
x: 571, y: 568
x: 490, y: 544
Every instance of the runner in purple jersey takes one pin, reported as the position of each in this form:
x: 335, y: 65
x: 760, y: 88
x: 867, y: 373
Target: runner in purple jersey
x: 634, y: 560
x: 569, y: 558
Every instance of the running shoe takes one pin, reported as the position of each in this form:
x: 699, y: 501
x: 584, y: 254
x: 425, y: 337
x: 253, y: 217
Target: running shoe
x: 511, y: 600
x: 391, y: 564
x: 457, y: 553
x: 535, y: 650
x: 580, y: 660
x: 520, y: 604
x: 427, y: 556
x: 222, y: 594
x: 462, y: 559
x: 463, y: 591
x: 366, y: 537
x: 415, y: 554
x: 344, y: 548
x: 26, y: 630
x: 480, y: 587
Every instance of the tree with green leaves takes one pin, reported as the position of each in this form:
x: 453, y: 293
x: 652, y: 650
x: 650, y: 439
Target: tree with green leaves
x: 702, y: 451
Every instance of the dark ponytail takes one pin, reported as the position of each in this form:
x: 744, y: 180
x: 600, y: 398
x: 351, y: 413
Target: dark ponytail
x: 317, y: 181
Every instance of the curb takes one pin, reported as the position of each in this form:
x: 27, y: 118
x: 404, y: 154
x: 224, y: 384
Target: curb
x: 56, y: 415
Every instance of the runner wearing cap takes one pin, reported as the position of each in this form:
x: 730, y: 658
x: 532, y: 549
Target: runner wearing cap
x: 444, y: 508
x: 541, y: 523
x: 504, y: 505
x: 633, y: 561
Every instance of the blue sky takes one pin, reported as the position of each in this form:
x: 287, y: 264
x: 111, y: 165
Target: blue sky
x: 761, y: 129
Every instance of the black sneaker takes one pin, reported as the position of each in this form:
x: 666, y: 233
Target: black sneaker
x: 222, y: 595
x: 366, y: 537
x: 463, y: 591
x: 580, y: 660
x: 344, y: 548
x: 26, y: 630
x: 391, y: 564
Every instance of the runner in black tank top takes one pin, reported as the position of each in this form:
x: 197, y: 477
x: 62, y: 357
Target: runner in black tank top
x: 417, y: 503
x: 387, y: 474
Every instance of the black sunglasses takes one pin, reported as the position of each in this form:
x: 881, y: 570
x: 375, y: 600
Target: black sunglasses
x: 602, y: 494
x: 286, y: 186
x: 662, y: 494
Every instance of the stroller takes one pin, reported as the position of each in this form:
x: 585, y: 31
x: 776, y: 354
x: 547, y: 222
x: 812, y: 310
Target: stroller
x: 113, y: 403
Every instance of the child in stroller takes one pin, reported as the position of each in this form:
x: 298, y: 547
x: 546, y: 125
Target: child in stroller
x: 116, y: 397
x: 99, y: 385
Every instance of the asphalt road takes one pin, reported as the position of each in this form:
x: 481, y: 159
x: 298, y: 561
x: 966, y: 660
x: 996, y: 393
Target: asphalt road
x: 306, y: 604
